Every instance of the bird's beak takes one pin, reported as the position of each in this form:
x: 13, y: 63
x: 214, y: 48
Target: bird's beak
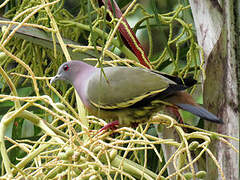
x: 55, y: 78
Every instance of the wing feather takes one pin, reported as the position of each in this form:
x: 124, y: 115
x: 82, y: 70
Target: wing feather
x: 124, y: 86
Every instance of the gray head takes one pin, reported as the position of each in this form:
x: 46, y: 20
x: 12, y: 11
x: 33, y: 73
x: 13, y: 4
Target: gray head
x: 70, y: 70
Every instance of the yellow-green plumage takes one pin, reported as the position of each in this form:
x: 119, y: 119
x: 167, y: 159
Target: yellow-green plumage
x: 123, y: 86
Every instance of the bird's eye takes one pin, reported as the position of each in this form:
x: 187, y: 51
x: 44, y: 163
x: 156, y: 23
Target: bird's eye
x: 65, y: 67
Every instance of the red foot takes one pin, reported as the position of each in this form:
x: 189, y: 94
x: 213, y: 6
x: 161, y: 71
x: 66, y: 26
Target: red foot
x: 111, y: 125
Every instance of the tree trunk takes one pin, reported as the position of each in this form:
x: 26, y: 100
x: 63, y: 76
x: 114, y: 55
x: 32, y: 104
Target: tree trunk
x: 216, y: 26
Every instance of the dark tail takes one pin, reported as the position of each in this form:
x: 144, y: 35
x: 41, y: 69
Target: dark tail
x: 200, y: 111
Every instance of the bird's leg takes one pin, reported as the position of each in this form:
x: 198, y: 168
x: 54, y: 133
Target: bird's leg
x: 112, y: 125
x: 175, y: 111
x: 134, y: 125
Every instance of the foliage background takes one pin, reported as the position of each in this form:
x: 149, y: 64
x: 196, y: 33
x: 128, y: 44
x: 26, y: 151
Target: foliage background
x: 53, y: 139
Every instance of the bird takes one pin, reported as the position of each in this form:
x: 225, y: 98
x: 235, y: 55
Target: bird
x: 126, y: 96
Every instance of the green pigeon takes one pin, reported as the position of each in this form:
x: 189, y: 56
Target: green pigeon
x: 127, y: 96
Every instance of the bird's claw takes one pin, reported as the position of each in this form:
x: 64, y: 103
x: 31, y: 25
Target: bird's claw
x: 112, y: 125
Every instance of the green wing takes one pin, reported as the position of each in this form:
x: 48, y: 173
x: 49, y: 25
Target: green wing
x: 124, y: 86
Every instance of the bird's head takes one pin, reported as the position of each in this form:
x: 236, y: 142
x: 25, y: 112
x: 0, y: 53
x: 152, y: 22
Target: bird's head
x: 70, y: 70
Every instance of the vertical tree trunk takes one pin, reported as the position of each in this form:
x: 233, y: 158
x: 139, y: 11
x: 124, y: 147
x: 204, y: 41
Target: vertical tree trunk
x: 216, y: 32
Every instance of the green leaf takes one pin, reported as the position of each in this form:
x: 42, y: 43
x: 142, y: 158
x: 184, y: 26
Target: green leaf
x: 123, y: 3
x: 9, y: 128
x: 26, y: 91
x: 6, y: 104
x: 27, y: 129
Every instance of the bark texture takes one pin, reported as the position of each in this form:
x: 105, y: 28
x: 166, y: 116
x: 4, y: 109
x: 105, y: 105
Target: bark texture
x: 216, y: 32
